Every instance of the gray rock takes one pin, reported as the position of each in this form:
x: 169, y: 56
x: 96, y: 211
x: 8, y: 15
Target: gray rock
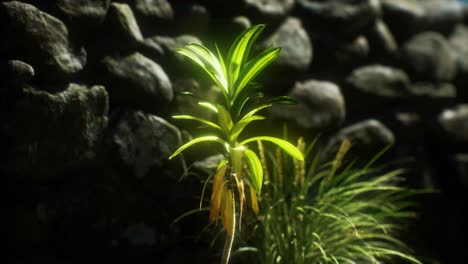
x: 296, y: 47
x: 344, y: 17
x: 429, y: 56
x: 442, y: 16
x: 141, y: 142
x: 153, y: 16
x: 15, y: 73
x: 320, y: 106
x: 458, y: 41
x: 367, y: 139
x: 90, y: 12
x: 39, y: 39
x: 269, y: 11
x: 122, y: 31
x: 379, y: 80
x: 381, y: 40
x: 53, y: 133
x: 159, y: 9
x: 404, y: 17
x: 352, y: 53
x: 137, y: 81
x: 454, y: 123
x: 383, y: 87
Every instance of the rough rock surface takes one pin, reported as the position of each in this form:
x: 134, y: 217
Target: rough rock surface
x: 296, y: 47
x: 141, y: 141
x: 454, y: 123
x: 429, y: 56
x: 367, y: 137
x: 52, y: 133
x: 137, y: 81
x: 320, y: 106
x: 40, y: 40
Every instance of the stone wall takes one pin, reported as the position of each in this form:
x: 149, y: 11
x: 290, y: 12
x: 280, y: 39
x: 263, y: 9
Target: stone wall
x: 87, y: 89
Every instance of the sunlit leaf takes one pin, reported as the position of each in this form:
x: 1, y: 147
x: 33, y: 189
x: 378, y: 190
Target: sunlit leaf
x: 237, y: 157
x: 254, y: 67
x: 239, y: 126
x: 198, y: 140
x: 239, y: 51
x: 211, y: 64
x: 224, y: 118
x: 286, y: 146
x: 203, y: 121
x: 209, y: 106
x: 256, y: 170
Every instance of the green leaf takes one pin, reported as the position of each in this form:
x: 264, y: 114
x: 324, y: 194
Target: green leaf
x: 237, y: 157
x: 254, y: 67
x: 239, y: 126
x: 256, y: 170
x: 198, y: 140
x: 224, y: 119
x: 240, y: 50
x: 207, y: 61
x: 286, y: 100
x: 189, y: 117
x: 286, y: 146
x: 209, y: 106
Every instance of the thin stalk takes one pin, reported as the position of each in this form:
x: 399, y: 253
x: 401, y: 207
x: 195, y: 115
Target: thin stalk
x: 229, y: 238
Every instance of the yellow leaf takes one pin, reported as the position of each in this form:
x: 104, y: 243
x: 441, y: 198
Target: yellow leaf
x: 227, y: 211
x: 253, y: 200
x: 216, y: 195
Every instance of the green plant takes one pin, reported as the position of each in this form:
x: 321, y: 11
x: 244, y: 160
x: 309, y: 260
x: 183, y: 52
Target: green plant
x: 239, y: 107
x: 329, y: 213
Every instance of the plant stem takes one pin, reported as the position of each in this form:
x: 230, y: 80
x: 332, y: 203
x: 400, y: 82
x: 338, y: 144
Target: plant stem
x: 229, y: 238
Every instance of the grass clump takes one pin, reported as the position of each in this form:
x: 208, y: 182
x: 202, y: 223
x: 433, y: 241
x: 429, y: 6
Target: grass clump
x: 314, y: 212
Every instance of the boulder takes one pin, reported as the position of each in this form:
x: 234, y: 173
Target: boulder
x: 367, y: 138
x: 342, y: 17
x: 320, y: 106
x: 137, y: 81
x: 122, y: 32
x: 383, y: 87
x: 404, y: 17
x: 429, y: 57
x: 442, y: 16
x: 381, y: 40
x: 454, y: 124
x: 40, y: 40
x: 154, y: 16
x: 269, y: 12
x: 84, y: 13
x: 296, y: 47
x: 49, y: 134
x: 14, y: 73
x: 379, y: 80
x: 458, y: 40
x: 140, y: 142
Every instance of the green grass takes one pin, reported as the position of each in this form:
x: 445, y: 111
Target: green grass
x: 333, y: 212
